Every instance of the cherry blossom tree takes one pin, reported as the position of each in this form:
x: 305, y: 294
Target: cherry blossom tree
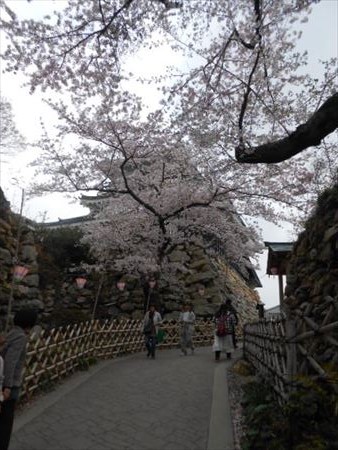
x: 244, y: 100
x: 11, y: 140
x: 247, y: 64
x: 159, y: 193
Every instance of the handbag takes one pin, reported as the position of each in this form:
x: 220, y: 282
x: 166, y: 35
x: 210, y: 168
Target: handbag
x: 160, y: 335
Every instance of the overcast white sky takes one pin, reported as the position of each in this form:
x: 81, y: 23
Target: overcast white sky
x: 319, y: 39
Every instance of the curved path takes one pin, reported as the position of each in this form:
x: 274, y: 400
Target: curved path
x: 171, y: 403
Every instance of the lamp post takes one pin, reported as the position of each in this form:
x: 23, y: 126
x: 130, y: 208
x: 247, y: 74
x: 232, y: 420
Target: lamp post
x: 275, y: 271
x: 19, y: 273
x: 201, y: 290
x: 121, y: 285
x: 151, y: 286
x: 260, y: 309
x: 80, y: 282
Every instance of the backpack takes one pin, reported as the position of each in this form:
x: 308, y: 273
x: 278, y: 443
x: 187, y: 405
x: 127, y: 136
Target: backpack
x: 221, y: 328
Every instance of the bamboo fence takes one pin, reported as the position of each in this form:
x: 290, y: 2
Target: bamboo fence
x: 56, y: 353
x: 306, y: 344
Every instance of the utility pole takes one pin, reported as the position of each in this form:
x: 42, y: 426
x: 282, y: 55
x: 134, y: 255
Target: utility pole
x: 15, y: 261
x: 98, y: 292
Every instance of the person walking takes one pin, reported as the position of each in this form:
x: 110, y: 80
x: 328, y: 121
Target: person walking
x: 151, y: 325
x: 224, y: 325
x: 14, y: 354
x: 187, y: 320
x: 231, y: 308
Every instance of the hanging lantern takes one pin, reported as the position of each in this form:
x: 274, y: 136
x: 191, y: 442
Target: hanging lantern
x: 201, y: 290
x: 120, y: 285
x: 80, y: 282
x: 19, y: 272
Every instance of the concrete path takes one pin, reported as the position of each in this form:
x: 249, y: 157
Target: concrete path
x: 171, y: 403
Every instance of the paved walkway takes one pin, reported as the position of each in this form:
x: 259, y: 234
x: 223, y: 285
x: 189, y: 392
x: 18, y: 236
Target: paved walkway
x: 132, y: 403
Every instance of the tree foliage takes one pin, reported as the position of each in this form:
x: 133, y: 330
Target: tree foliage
x: 307, y: 420
x: 177, y: 170
x: 247, y: 68
x: 11, y: 140
x: 60, y: 250
x: 166, y: 202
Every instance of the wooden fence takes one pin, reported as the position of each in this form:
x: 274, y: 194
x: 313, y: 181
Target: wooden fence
x: 56, y: 353
x: 306, y: 344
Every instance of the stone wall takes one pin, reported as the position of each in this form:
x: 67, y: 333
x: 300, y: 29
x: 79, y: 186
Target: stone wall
x: 311, y: 293
x: 60, y: 300
x: 25, y: 293
x: 218, y: 279
x: 313, y: 266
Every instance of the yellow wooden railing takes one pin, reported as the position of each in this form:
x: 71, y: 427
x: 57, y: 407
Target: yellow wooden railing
x: 56, y: 353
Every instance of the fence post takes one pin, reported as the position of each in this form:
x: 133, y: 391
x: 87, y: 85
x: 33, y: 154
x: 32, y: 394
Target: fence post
x: 291, y: 353
x: 94, y: 324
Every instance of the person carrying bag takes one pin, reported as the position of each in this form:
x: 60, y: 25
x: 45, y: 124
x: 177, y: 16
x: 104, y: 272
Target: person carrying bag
x: 151, y: 326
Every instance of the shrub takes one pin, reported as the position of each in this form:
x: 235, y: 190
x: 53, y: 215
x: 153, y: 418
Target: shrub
x: 58, y: 250
x: 307, y: 421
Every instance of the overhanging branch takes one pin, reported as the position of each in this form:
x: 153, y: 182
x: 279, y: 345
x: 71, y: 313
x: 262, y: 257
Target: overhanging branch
x: 322, y: 123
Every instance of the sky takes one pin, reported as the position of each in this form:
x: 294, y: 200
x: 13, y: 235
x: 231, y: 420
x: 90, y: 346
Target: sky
x: 319, y: 39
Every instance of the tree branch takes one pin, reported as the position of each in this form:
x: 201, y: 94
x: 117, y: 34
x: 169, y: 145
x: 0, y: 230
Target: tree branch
x: 322, y: 123
x: 258, y: 20
x: 171, y: 4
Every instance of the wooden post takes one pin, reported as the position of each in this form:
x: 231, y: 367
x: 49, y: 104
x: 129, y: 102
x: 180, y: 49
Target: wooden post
x: 291, y: 353
x: 15, y: 260
x: 98, y: 292
x: 281, y: 290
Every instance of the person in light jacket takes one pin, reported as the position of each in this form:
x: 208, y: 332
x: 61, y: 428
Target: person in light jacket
x: 151, y: 325
x: 14, y: 354
x: 187, y: 319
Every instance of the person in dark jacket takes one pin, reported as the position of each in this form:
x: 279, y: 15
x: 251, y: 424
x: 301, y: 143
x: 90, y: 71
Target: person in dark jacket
x: 224, y: 325
x: 151, y: 323
x: 14, y: 354
x: 231, y: 308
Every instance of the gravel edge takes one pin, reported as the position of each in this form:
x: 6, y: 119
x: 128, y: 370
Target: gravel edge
x: 235, y: 385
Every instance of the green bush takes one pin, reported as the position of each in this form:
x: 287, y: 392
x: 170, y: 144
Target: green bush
x: 313, y: 422
x: 59, y: 250
x: 85, y: 363
x: 264, y: 420
x: 307, y: 421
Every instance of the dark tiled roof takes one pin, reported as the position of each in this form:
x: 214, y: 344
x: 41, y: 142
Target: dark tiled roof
x: 72, y: 221
x: 279, y: 246
x: 278, y: 254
